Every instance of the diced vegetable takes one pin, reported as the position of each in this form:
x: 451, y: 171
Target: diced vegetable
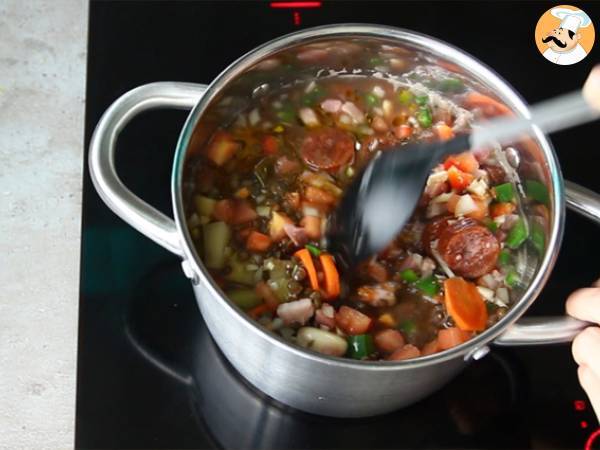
x: 443, y: 131
x: 244, y: 298
x: 421, y: 100
x: 223, y: 210
x: 538, y: 237
x: 431, y: 347
x: 322, y: 341
x: 312, y: 226
x: 458, y: 179
x: 405, y: 97
x: 464, y: 304
x: 424, y: 117
x: 258, y: 242
x: 243, y: 193
x: 465, y: 205
x: 372, y: 100
x: 403, y: 131
x: 304, y: 256
x: 409, y: 351
x: 537, y: 191
x: 387, y: 320
x: 451, y: 337
x: 216, y: 236
x: 504, y: 192
x: 258, y: 311
x: 512, y: 278
x: 451, y: 85
x: 222, y: 148
x: 331, y: 276
x: 491, y: 225
x: 276, y: 230
x: 312, y: 97
x: 270, y: 145
x: 504, y: 258
x: 316, y: 195
x: 409, y: 275
x: 360, y: 346
x: 279, y: 279
x: 429, y: 286
x: 265, y: 292
x: 502, y: 209
x: 308, y: 117
x: 204, y: 205
x: 517, y: 234
x: 488, y: 105
x: 389, y: 340
x: 351, y: 321
x: 239, y: 272
x: 315, y: 251
x: 408, y: 327
x: 466, y: 162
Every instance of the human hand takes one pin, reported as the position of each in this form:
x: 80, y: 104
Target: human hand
x: 584, y: 304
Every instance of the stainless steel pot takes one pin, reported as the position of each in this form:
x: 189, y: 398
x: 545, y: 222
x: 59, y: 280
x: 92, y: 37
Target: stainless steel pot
x: 301, y: 378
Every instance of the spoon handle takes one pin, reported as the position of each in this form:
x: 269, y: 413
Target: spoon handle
x: 552, y: 115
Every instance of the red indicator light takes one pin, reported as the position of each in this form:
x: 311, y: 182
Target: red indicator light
x: 579, y: 405
x: 296, y: 18
x: 295, y: 5
x: 583, y: 424
x: 592, y: 439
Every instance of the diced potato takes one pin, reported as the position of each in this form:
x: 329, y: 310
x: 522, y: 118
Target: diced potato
x: 239, y: 272
x: 216, y: 237
x: 221, y: 149
x: 204, y: 205
x: 244, y: 298
x: 278, y: 220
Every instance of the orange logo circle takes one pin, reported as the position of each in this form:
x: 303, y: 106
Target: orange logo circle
x: 564, y: 35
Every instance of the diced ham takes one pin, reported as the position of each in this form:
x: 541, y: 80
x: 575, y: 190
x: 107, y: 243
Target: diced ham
x: 298, y: 311
x: 389, y: 340
x: 286, y: 166
x: 407, y: 352
x: 325, y: 316
x: 379, y: 124
x: 352, y: 110
x: 312, y: 226
x: 382, y: 294
x: 331, y: 105
x: 297, y: 235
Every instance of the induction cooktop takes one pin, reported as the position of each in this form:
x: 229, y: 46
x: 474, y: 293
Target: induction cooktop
x: 149, y: 374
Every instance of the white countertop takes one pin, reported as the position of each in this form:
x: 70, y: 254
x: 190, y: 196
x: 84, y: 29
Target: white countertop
x: 42, y: 86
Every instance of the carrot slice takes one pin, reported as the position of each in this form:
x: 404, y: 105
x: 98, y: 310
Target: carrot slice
x: 304, y: 256
x: 501, y: 209
x: 465, y: 305
x: 258, y: 242
x: 332, y: 277
x: 443, y: 131
x: 451, y: 337
x: 265, y: 292
x: 259, y: 310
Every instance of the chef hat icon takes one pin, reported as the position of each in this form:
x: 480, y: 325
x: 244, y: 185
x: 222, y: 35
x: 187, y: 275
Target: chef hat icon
x: 571, y: 19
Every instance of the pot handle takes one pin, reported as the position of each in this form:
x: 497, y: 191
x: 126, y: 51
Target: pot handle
x: 553, y: 330
x: 133, y: 210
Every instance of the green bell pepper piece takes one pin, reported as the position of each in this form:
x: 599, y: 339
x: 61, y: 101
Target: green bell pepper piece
x: 424, y: 118
x: 517, y: 234
x: 537, y: 191
x: 360, y: 346
x: 429, y: 285
x: 504, y: 192
x: 409, y: 275
x: 512, y: 278
x: 421, y: 100
x: 538, y: 237
x: 408, y: 327
x: 315, y: 251
x: 451, y: 85
x: 504, y: 258
x: 372, y: 100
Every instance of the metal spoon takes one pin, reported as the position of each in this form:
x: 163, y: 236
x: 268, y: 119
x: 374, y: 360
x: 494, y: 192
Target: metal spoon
x: 381, y: 199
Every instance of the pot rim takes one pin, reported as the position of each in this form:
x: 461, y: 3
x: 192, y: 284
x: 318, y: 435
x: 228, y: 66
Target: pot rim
x: 427, y: 44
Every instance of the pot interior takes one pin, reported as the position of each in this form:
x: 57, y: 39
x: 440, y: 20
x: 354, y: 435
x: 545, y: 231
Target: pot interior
x: 398, y: 57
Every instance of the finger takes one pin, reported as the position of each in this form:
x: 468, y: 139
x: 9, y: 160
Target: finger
x: 586, y: 349
x: 584, y: 304
x: 596, y: 283
x: 590, y: 383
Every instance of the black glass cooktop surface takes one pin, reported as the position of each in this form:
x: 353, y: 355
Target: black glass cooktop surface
x: 149, y: 374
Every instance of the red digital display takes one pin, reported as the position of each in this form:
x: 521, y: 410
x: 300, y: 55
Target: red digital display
x: 579, y: 405
x: 594, y: 437
x: 295, y: 5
